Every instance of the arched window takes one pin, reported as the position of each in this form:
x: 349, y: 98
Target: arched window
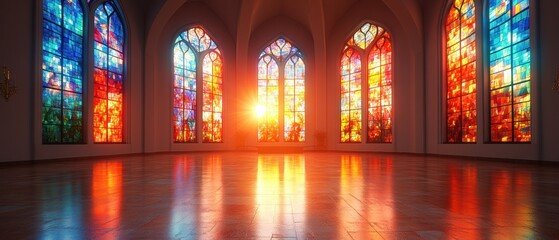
x: 373, y: 44
x: 108, y: 55
x: 281, y: 93
x: 509, y: 70
x: 62, y: 71
x: 195, y: 52
x: 461, y: 72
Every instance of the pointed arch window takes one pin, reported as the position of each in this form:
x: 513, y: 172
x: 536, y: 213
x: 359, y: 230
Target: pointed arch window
x: 62, y: 71
x: 198, y: 64
x: 370, y: 50
x: 281, y: 93
x: 64, y: 46
x: 461, y: 72
x: 509, y: 56
x: 509, y: 71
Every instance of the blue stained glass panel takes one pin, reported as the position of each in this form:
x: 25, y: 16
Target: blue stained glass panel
x: 101, y: 25
x: 72, y: 101
x: 52, y: 40
x: 520, y: 27
x: 62, y: 71
x: 52, y: 11
x: 178, y: 57
x: 73, y: 16
x: 71, y: 68
x: 510, y: 55
x: 500, y: 20
x: 115, y: 64
x: 100, y: 59
x: 116, y: 33
x: 72, y: 46
x: 500, y: 54
x: 52, y: 98
x: 116, y: 80
x: 184, y: 101
x: 190, y: 60
x: 51, y: 79
x: 519, y: 5
x: 498, y: 8
x: 500, y: 37
x: 51, y: 62
x: 109, y: 8
x: 72, y: 84
x: 521, y: 73
x: 521, y: 56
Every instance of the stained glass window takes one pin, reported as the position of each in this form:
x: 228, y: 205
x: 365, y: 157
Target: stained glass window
x: 351, y: 96
x: 379, y: 116
x: 194, y: 48
x: 509, y: 70
x: 461, y: 72
x: 108, y: 54
x: 213, y: 95
x: 62, y: 73
x: 373, y: 44
x: 294, y: 100
x: 281, y: 93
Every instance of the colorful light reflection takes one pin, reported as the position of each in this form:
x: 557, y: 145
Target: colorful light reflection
x: 107, y: 197
x: 61, y: 207
x: 280, y: 193
x: 182, y: 214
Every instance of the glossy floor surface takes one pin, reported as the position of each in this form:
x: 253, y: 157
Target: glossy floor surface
x: 279, y: 196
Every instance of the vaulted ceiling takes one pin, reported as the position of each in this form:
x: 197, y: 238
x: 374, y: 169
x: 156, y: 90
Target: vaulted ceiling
x: 312, y: 14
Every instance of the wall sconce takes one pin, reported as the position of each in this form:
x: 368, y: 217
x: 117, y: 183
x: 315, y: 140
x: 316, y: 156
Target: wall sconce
x: 7, y: 88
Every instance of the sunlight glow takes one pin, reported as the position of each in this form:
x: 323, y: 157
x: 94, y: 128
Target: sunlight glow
x: 260, y: 111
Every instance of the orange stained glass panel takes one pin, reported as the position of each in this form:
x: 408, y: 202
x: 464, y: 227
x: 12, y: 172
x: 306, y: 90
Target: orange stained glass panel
x: 281, y: 93
x: 351, y: 96
x: 213, y: 97
x: 379, y: 125
x: 372, y: 89
x: 294, y: 103
x: 268, y: 98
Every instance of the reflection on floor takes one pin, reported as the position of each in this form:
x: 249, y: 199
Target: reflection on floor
x: 290, y: 196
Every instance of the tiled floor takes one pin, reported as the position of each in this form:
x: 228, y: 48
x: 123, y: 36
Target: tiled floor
x: 285, y: 196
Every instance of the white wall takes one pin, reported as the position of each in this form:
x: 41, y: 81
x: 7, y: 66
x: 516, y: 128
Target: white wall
x: 16, y: 52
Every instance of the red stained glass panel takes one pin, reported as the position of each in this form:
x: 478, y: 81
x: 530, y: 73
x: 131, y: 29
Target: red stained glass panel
x: 108, y: 110
x: 380, y: 85
x: 461, y: 72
